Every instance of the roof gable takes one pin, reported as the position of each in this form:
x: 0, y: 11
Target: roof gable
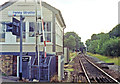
x: 53, y: 9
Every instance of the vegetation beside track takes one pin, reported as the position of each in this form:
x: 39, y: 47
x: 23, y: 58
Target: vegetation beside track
x: 69, y: 66
x: 72, y: 55
x: 71, y: 69
x: 107, y: 44
x: 107, y: 59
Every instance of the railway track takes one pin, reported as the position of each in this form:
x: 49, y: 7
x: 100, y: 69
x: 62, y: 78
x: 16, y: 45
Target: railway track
x: 87, y: 71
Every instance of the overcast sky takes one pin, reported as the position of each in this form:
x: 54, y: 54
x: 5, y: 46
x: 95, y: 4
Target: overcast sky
x: 87, y: 17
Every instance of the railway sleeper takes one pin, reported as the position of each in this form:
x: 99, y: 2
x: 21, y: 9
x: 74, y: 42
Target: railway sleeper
x: 109, y: 80
x: 118, y: 79
x: 93, y: 80
x: 81, y: 73
x: 99, y: 80
x: 82, y: 79
x: 74, y: 78
x: 104, y: 80
x: 105, y: 67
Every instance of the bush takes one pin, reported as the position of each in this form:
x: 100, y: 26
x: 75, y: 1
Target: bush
x: 112, y: 47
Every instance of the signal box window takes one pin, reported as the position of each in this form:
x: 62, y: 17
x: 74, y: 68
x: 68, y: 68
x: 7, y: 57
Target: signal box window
x: 47, y: 28
x: 2, y: 32
x: 31, y: 29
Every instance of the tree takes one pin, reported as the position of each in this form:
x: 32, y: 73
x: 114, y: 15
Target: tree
x: 115, y: 32
x: 76, y: 42
x: 93, y: 46
x: 73, y: 34
x: 105, y: 43
x: 94, y: 37
x: 70, y: 42
x: 112, y: 47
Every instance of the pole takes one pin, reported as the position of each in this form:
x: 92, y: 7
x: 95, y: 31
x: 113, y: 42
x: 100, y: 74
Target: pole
x: 20, y: 74
x: 37, y: 41
x: 43, y: 30
x: 37, y: 35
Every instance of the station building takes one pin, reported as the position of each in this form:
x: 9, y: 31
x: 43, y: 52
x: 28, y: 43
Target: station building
x: 10, y: 44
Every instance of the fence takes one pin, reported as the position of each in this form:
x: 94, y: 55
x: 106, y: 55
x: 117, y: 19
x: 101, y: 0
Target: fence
x: 44, y: 71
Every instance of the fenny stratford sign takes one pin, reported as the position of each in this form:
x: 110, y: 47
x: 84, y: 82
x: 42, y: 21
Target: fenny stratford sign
x: 24, y: 13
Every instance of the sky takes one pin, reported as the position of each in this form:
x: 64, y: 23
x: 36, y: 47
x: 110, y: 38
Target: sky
x: 86, y: 17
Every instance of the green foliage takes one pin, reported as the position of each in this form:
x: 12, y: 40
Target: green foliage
x: 73, y: 34
x: 72, y: 41
x: 105, y: 43
x: 112, y: 47
x: 72, y: 55
x: 88, y: 42
x: 97, y: 36
x: 92, y: 47
x: 115, y: 31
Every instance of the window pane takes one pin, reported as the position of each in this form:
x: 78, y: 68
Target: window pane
x: 45, y: 36
x: 2, y: 32
x: 24, y: 27
x: 48, y: 37
x: 2, y: 37
x: 39, y: 26
x: 18, y: 38
x: 2, y: 27
x: 41, y: 38
x: 31, y: 34
x: 48, y: 26
x: 31, y: 29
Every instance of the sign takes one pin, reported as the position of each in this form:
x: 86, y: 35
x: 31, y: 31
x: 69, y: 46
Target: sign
x: 24, y: 13
x: 25, y: 59
x: 16, y: 27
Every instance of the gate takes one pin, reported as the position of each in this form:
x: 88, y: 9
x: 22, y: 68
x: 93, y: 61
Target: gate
x: 43, y: 72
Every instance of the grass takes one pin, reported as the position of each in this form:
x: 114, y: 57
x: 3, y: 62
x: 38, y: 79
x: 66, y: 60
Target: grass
x: 106, y: 59
x: 71, y: 69
x: 72, y: 55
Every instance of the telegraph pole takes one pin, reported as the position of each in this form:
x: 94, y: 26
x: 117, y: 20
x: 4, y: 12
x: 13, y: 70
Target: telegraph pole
x: 21, y: 26
x: 37, y: 33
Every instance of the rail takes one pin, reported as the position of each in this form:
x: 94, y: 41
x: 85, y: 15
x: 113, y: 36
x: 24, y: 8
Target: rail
x: 85, y: 72
x: 103, y: 76
x: 102, y: 70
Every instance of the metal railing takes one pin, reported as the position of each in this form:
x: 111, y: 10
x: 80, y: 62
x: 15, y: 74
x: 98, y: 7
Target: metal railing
x: 44, y: 71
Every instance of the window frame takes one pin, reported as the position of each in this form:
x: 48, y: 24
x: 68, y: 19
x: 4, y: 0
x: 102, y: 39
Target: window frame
x: 49, y: 30
x: 2, y: 32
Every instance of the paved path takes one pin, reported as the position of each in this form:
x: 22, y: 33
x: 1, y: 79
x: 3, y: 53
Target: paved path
x: 8, y: 79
